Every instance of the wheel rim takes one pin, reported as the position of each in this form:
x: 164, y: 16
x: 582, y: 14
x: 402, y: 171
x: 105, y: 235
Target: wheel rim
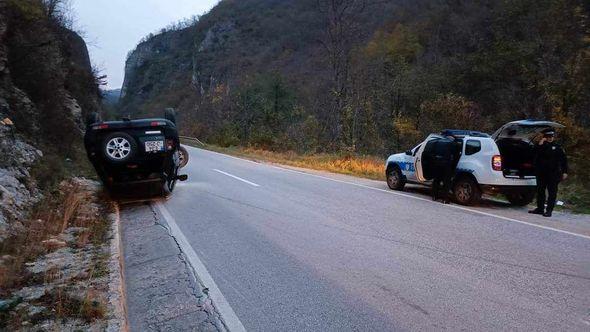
x: 118, y: 148
x: 393, y: 179
x: 181, y: 158
x: 464, y: 192
x: 171, y: 185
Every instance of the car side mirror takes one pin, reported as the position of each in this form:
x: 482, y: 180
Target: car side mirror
x: 409, y: 152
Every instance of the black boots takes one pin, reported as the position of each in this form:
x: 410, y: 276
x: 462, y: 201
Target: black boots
x: 540, y: 211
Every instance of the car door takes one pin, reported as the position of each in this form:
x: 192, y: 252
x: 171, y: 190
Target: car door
x: 408, y: 164
x: 418, y: 159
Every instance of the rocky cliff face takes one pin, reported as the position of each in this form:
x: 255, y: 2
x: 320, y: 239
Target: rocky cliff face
x: 234, y: 42
x: 156, y: 65
x: 46, y: 88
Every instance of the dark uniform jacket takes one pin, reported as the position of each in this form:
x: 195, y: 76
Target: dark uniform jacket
x: 440, y: 157
x: 550, y: 160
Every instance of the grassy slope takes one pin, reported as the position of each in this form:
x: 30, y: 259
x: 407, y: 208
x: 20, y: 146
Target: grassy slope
x: 363, y: 166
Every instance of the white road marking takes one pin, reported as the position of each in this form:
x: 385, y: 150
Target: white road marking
x: 237, y: 178
x: 430, y: 201
x: 413, y: 197
x: 228, y: 316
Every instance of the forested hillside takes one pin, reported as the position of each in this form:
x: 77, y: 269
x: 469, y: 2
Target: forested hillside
x: 367, y: 76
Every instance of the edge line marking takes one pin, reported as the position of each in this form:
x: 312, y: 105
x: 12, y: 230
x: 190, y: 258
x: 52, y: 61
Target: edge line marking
x: 227, y: 314
x: 457, y: 207
x: 237, y: 178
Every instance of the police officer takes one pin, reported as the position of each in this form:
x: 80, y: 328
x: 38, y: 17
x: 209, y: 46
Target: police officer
x: 446, y: 157
x: 550, y: 168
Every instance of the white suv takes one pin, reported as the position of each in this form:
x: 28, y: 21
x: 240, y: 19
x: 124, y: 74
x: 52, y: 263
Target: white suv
x: 501, y: 163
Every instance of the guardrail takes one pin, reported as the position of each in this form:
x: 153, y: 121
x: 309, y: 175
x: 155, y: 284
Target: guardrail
x: 192, y: 139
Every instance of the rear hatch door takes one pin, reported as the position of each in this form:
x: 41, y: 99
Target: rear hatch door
x: 526, y: 130
x: 515, y: 141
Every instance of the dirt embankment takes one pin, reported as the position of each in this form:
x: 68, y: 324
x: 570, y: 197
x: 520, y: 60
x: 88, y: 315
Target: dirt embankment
x: 62, y: 271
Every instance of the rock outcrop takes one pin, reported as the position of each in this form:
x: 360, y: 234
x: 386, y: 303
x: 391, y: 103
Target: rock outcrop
x: 36, y: 114
x: 225, y: 48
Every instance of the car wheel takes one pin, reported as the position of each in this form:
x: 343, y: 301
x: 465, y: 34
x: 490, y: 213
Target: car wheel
x: 466, y: 191
x: 520, y: 198
x: 395, y: 179
x: 119, y: 147
x: 182, y: 156
x: 170, y: 115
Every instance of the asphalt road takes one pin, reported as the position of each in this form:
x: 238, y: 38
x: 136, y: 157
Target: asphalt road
x: 295, y: 251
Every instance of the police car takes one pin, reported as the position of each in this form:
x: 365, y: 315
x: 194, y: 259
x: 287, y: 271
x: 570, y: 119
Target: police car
x: 500, y: 163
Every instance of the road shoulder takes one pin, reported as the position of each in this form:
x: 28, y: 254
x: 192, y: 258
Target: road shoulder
x: 161, y: 290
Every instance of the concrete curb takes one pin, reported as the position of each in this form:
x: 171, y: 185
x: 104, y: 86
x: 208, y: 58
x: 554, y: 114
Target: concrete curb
x: 117, y: 303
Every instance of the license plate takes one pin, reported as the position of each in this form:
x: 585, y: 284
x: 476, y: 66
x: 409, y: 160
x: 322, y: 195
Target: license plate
x: 154, y: 146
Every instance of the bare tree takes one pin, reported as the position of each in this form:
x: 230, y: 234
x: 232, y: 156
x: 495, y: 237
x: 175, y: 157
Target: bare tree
x: 60, y: 11
x: 341, y: 31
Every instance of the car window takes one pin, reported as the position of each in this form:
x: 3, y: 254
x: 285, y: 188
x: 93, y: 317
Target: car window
x: 472, y: 147
x: 459, y: 142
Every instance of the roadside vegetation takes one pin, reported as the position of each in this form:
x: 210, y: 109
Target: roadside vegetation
x: 363, y: 166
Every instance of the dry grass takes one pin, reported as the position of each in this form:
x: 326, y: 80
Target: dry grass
x: 88, y: 306
x: 71, y: 205
x: 49, y: 219
x: 59, y: 210
x: 357, y: 165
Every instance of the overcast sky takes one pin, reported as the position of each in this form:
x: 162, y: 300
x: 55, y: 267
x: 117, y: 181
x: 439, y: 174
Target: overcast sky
x: 112, y: 28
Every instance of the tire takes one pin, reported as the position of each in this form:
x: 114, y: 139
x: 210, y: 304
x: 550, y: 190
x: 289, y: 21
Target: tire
x: 183, y: 156
x: 171, y: 181
x: 92, y: 118
x: 466, y: 191
x: 521, y: 198
x: 395, y: 179
x: 119, y: 147
x: 170, y: 115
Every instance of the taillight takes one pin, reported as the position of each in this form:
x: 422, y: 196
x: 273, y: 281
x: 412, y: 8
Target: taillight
x: 101, y: 126
x: 170, y: 144
x: 497, y: 163
x: 157, y: 123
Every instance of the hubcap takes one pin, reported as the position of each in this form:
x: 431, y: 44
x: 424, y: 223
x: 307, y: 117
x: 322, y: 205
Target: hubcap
x: 118, y: 148
x: 464, y: 192
x: 181, y: 157
x: 393, y: 178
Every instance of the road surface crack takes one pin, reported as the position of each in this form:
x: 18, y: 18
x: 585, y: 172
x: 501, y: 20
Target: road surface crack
x: 199, y: 291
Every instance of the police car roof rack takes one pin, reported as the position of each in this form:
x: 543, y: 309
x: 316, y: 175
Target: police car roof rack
x: 463, y: 133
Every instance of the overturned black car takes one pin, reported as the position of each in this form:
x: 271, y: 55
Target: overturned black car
x: 143, y: 151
